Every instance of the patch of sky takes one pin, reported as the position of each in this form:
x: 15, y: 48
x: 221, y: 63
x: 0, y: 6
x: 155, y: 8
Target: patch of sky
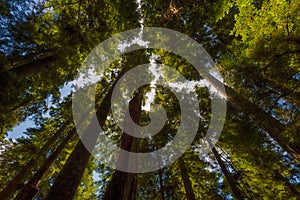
x: 85, y: 79
x: 19, y: 130
x: 96, y: 176
x: 296, y: 76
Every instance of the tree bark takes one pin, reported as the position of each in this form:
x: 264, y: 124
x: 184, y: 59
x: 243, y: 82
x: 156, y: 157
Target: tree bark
x: 10, y: 188
x: 35, y: 67
x: 65, y: 185
x: 186, y: 181
x: 258, y: 115
x: 123, y: 186
x: 31, y: 188
x: 235, y: 190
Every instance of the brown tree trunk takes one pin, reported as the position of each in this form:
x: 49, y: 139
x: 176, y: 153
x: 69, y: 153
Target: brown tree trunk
x: 25, y: 102
x: 235, y: 190
x: 10, y: 188
x: 161, y: 184
x: 68, y: 179
x: 31, y: 188
x: 186, y: 181
x: 65, y: 185
x: 123, y: 186
x: 259, y: 116
x: 291, y: 95
x: 35, y: 67
x: 30, y: 58
x: 287, y: 183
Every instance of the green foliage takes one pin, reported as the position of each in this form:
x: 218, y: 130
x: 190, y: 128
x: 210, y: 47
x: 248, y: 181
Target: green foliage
x: 256, y: 46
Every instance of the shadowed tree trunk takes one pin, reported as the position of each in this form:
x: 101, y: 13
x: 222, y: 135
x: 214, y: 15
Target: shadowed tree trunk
x: 186, y: 180
x: 287, y: 183
x: 31, y: 188
x: 161, y: 184
x: 235, y: 190
x: 35, y: 67
x: 123, y: 186
x: 259, y: 116
x: 290, y: 95
x: 10, y: 188
x: 65, y: 185
x: 25, y: 102
x: 30, y: 58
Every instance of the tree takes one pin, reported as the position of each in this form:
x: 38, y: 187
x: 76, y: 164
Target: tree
x: 78, y: 160
x: 10, y: 188
x: 124, y: 185
x: 233, y: 185
x: 31, y: 188
x: 255, y: 45
x: 187, y: 183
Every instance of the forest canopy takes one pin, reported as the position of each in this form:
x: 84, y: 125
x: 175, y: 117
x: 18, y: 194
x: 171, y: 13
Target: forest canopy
x: 254, y: 46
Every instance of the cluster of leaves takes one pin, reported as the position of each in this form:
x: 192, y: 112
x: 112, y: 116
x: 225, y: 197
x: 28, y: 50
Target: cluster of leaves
x: 256, y: 46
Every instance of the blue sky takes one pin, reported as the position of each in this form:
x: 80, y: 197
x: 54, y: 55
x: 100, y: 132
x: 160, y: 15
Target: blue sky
x: 18, y: 131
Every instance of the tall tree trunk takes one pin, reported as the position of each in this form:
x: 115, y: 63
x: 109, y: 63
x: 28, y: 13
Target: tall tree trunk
x: 24, y: 102
x: 235, y: 190
x: 186, y: 181
x: 10, y: 188
x: 261, y: 118
x: 123, y: 186
x: 31, y: 188
x: 161, y: 184
x: 287, y: 183
x: 17, y: 62
x: 35, y: 66
x: 294, y: 94
x: 65, y: 185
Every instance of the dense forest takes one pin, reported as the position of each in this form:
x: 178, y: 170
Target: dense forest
x: 255, y: 48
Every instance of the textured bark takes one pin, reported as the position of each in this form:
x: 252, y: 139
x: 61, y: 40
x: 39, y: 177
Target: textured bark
x: 65, y: 185
x: 294, y: 150
x: 35, y: 67
x: 235, y: 190
x: 31, y: 188
x: 10, y: 188
x: 259, y: 116
x: 123, y: 186
x: 68, y: 179
x: 186, y: 181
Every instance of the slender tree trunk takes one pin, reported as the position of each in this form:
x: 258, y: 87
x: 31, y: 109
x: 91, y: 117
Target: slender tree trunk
x: 35, y: 66
x: 287, y: 183
x: 123, y: 186
x: 235, y: 190
x: 186, y: 181
x: 161, y: 184
x: 65, y: 185
x: 67, y: 181
x: 294, y: 95
x: 25, y: 102
x: 31, y: 188
x: 30, y: 58
x: 263, y: 119
x: 10, y: 188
